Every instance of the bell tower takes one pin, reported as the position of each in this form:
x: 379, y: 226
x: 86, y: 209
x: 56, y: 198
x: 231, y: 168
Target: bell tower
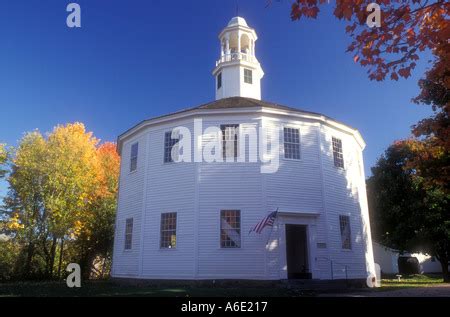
x: 238, y: 72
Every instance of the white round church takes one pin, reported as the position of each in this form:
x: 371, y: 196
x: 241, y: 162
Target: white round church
x: 241, y: 188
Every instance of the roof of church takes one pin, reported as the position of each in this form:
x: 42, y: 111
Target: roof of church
x: 244, y: 102
x: 237, y: 21
x: 235, y: 103
x: 241, y: 102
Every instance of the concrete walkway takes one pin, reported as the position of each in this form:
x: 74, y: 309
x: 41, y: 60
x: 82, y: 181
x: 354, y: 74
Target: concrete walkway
x: 438, y: 290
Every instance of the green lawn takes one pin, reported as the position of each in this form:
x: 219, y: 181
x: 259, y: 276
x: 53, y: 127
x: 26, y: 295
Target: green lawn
x: 111, y: 288
x: 416, y: 280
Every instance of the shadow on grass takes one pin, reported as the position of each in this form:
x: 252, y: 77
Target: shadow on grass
x: 110, y: 288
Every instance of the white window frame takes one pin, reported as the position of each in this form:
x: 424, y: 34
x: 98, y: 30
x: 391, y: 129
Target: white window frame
x: 128, y: 242
x: 168, y: 146
x: 291, y: 143
x: 223, y: 243
x: 134, y: 158
x: 338, y: 152
x: 248, y: 79
x: 219, y: 80
x: 224, y: 142
x: 162, y: 231
x: 346, y: 235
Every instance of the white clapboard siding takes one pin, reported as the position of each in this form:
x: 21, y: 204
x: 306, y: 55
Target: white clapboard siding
x: 309, y: 191
x: 131, y: 192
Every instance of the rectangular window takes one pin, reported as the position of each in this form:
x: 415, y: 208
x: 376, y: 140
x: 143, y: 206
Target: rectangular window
x: 168, y: 230
x: 134, y: 156
x: 337, y: 153
x: 219, y: 80
x: 169, y: 144
x: 248, y: 76
x: 230, y: 135
x: 292, y: 143
x: 230, y: 228
x: 344, y: 224
x: 128, y: 233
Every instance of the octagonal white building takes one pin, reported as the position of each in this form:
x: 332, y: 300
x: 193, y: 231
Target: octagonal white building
x: 191, y: 219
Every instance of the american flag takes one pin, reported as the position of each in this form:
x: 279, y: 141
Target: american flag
x: 266, y: 221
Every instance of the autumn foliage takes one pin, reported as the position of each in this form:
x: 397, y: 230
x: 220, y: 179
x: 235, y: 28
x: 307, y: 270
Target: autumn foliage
x: 61, y: 201
x: 3, y: 159
x: 407, y: 28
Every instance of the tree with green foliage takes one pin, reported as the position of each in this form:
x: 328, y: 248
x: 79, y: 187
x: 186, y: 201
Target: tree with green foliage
x: 70, y: 170
x: 8, y: 249
x: 406, y: 212
x: 61, y: 200
x: 25, y: 215
x: 3, y: 160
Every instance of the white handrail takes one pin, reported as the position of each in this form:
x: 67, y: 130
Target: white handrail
x: 235, y: 57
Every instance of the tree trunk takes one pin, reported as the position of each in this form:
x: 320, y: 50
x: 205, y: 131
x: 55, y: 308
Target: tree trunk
x: 86, y: 265
x: 61, y: 250
x: 30, y: 254
x: 105, y: 259
x: 444, y: 265
x: 52, y: 258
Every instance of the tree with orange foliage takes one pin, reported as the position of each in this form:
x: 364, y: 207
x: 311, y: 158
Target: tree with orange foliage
x: 62, y: 193
x: 432, y: 135
x: 96, y: 228
x: 407, y: 28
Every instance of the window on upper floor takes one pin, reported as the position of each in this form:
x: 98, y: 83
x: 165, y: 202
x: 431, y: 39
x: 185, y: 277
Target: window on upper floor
x: 344, y: 224
x: 128, y: 233
x: 219, y: 80
x: 230, y: 135
x: 168, y: 233
x: 230, y: 228
x: 338, y: 155
x: 248, y: 76
x: 170, y: 147
x: 292, y: 143
x: 134, y: 156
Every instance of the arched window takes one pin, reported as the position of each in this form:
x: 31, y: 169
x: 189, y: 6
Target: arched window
x: 245, y: 44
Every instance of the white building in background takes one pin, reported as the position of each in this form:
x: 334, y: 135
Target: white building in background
x: 191, y: 220
x: 387, y: 258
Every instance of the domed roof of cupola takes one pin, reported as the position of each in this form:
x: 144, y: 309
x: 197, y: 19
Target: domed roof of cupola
x: 237, y: 21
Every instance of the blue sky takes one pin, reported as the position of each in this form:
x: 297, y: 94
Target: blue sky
x: 134, y: 59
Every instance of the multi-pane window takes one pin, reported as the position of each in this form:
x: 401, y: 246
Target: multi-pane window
x: 134, y: 156
x: 337, y: 153
x: 291, y: 143
x: 168, y: 230
x: 219, y: 80
x: 248, y: 76
x: 344, y: 224
x: 169, y: 143
x: 230, y: 135
x: 230, y: 228
x: 128, y: 233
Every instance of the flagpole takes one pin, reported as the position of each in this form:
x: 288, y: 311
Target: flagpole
x: 271, y: 230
